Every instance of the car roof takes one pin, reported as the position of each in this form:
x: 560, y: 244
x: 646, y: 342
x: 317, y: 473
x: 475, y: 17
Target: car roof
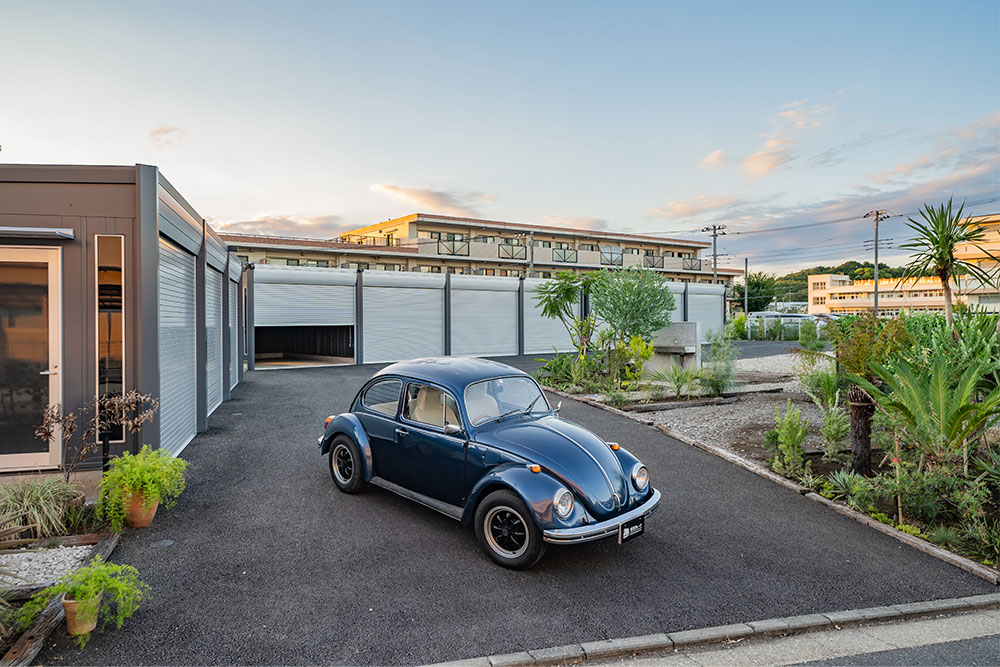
x: 454, y: 373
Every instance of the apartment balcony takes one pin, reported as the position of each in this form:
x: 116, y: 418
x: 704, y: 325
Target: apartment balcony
x: 611, y: 258
x: 358, y: 239
x: 509, y: 251
x: 630, y: 259
x: 459, y: 248
x: 690, y: 264
x: 653, y: 262
x: 541, y: 255
x: 565, y: 255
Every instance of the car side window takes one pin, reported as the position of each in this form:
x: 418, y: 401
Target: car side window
x: 429, y: 405
x: 383, y: 396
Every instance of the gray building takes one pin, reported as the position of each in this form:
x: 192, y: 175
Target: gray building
x: 110, y: 281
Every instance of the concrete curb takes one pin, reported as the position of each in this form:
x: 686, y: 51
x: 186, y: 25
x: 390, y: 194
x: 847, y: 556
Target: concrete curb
x: 972, y: 567
x: 631, y: 646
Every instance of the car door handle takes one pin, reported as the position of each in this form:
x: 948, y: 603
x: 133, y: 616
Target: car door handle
x: 402, y: 431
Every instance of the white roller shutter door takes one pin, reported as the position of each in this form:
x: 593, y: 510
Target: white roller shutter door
x: 705, y: 306
x: 483, y: 316
x: 213, y: 338
x: 403, y: 316
x: 234, y: 333
x: 541, y: 334
x: 177, y: 347
x: 303, y: 296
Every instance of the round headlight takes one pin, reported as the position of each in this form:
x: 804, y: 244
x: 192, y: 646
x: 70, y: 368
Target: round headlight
x: 563, y: 503
x: 640, y: 476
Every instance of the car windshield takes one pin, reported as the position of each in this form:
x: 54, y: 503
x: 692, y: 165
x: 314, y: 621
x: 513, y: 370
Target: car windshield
x: 502, y: 397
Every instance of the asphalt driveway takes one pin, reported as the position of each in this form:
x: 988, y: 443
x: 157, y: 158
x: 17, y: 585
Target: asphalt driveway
x: 271, y: 564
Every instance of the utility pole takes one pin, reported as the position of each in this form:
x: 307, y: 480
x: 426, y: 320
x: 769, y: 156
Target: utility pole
x: 879, y: 215
x: 746, y: 286
x: 717, y: 230
x: 531, y: 252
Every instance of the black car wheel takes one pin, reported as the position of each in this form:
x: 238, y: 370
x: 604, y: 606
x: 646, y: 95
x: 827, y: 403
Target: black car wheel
x: 345, y: 464
x: 506, y: 531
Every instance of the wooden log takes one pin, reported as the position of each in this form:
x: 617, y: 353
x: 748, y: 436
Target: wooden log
x: 30, y: 643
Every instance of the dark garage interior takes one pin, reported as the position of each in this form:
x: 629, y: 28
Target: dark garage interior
x: 304, y: 345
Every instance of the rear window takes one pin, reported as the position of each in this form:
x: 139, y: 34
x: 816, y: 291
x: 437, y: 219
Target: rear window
x: 383, y: 396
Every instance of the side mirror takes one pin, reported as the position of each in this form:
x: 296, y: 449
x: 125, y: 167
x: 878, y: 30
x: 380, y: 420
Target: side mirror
x: 558, y: 407
x: 452, y: 429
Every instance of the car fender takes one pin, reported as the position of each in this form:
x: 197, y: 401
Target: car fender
x: 536, y: 489
x: 348, y: 424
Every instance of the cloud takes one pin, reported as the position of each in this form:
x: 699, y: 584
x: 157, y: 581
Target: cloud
x: 458, y: 204
x: 589, y: 224
x: 837, y: 154
x: 686, y: 208
x: 320, y: 227
x: 715, y: 160
x: 165, y: 135
x: 779, y: 145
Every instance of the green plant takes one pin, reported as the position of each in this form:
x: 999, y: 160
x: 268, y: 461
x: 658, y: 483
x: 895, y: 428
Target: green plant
x: 771, y: 443
x: 934, y: 249
x: 559, y: 298
x: 851, y: 487
x: 717, y: 372
x: 792, y: 432
x: 911, y: 530
x: 557, y: 371
x: 762, y: 289
x: 811, y: 481
x: 737, y: 327
x: 944, y: 536
x: 617, y: 399
x: 809, y: 337
x: 631, y: 302
x: 881, y: 517
x: 152, y: 473
x: 40, y: 503
x: 117, y: 586
x: 836, y: 426
x: 982, y: 538
x: 679, y: 379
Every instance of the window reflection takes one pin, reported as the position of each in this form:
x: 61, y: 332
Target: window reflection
x: 111, y: 320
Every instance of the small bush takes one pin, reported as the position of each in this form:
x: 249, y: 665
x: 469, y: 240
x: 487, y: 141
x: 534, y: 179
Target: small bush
x: 679, y: 379
x: 882, y: 517
x: 771, y: 443
x: 944, y: 536
x: 851, y: 487
x: 810, y: 338
x: 717, y: 373
x: 738, y: 327
x: 792, y: 432
x: 616, y: 399
x: 911, y: 530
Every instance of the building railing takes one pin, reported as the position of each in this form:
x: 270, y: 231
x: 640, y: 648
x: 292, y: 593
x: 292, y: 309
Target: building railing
x: 369, y: 240
x: 508, y: 251
x: 611, y: 258
x: 453, y: 248
x: 652, y: 262
x: 691, y: 264
x: 564, y: 255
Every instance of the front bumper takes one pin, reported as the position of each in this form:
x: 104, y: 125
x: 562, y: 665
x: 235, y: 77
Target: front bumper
x: 598, y: 531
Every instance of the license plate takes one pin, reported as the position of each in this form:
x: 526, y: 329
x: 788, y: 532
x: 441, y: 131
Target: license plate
x: 630, y: 529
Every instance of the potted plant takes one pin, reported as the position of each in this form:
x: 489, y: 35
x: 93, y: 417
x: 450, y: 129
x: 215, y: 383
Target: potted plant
x: 82, y: 592
x: 134, y: 486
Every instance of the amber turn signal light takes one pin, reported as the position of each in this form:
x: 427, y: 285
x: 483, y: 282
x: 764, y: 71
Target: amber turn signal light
x: 535, y: 468
x: 614, y: 445
x: 327, y: 421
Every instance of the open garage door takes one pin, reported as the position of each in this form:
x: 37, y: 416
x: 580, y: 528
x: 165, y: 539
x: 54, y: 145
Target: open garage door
x: 303, y: 315
x: 483, y: 316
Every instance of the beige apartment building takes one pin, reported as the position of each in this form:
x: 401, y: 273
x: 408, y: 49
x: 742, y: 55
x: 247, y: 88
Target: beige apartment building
x: 839, y: 295
x: 446, y: 244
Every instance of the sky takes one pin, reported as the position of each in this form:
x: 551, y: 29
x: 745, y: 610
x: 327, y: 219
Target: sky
x: 308, y: 119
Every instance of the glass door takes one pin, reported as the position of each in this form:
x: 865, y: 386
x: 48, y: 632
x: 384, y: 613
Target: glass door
x: 30, y: 354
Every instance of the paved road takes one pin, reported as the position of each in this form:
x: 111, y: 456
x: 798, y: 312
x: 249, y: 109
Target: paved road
x: 270, y: 564
x: 754, y: 349
x: 982, y: 651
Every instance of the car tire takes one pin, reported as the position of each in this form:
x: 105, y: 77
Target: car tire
x: 345, y: 464
x: 507, y: 532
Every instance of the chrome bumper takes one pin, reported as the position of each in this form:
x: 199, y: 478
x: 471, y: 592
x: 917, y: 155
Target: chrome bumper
x: 597, y: 531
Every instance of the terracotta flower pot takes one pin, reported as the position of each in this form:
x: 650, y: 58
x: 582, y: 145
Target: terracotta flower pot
x: 137, y: 513
x: 81, y: 615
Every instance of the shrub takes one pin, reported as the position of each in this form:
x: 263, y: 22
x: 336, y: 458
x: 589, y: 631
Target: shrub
x: 557, y: 371
x: 617, y: 399
x: 944, y: 536
x: 810, y: 338
x: 631, y: 302
x: 679, y: 379
x: 911, y: 530
x: 851, y: 487
x: 792, y: 432
x: 717, y: 375
x: 153, y: 473
x: 40, y: 503
x: 737, y: 327
x: 119, y: 587
x: 881, y: 517
x: 771, y: 443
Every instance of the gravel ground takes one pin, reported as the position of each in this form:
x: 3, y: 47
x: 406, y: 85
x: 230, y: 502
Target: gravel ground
x: 778, y: 364
x: 41, y: 566
x: 734, y: 425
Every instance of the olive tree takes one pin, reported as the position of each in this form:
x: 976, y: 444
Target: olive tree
x: 631, y: 302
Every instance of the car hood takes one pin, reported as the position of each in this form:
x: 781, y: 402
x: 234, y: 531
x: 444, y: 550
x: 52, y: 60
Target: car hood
x: 576, y: 456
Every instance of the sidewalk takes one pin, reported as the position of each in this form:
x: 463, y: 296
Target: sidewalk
x: 900, y: 641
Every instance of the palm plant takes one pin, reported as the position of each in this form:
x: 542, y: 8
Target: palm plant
x: 681, y: 380
x: 937, y: 412
x: 934, y: 249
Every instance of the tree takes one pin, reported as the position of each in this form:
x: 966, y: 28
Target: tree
x: 859, y: 343
x: 762, y: 290
x: 632, y: 302
x: 934, y: 249
x: 559, y: 298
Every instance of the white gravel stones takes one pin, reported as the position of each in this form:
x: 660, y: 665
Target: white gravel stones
x: 41, y: 565
x: 778, y: 364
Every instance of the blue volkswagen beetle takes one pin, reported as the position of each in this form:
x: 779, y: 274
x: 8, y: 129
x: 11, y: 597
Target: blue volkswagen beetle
x: 477, y: 440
